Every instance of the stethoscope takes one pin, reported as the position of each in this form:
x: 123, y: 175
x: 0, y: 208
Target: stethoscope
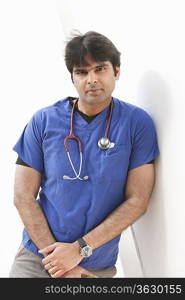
x: 104, y: 143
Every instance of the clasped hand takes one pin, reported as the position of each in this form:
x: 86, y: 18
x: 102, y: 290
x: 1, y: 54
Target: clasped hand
x: 62, y: 259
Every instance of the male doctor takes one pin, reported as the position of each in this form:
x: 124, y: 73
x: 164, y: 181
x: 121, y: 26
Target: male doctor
x: 76, y: 196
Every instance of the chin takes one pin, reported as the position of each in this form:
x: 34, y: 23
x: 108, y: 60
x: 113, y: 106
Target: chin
x: 97, y: 99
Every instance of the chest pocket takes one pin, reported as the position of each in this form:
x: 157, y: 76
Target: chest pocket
x: 114, y: 163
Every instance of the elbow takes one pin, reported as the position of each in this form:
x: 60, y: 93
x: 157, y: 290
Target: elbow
x: 144, y: 210
x: 140, y: 205
x: 144, y: 207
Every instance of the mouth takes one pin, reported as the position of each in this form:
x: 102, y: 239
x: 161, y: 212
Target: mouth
x: 94, y: 91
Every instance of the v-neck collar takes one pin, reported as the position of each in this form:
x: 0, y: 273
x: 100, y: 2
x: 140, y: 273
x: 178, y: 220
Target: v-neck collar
x: 87, y: 118
x: 81, y: 124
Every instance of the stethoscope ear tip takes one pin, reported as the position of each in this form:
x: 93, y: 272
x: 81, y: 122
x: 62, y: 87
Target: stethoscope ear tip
x: 86, y: 177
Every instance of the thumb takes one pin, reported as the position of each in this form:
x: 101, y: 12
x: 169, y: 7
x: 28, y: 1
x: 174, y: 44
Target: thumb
x: 47, y: 249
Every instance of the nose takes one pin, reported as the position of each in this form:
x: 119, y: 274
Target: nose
x: 92, y: 78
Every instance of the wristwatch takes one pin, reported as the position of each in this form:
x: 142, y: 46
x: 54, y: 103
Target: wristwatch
x: 85, y: 249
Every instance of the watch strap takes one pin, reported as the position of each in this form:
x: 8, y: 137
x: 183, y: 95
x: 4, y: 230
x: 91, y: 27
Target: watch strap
x: 82, y: 242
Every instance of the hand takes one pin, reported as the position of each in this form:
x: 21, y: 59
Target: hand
x: 77, y: 272
x: 61, y: 258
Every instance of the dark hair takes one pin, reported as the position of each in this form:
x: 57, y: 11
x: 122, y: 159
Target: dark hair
x: 92, y: 44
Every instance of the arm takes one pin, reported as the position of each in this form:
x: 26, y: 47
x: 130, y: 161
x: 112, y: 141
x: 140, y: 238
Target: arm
x: 26, y: 187
x: 140, y: 183
x: 138, y: 190
x: 27, y: 184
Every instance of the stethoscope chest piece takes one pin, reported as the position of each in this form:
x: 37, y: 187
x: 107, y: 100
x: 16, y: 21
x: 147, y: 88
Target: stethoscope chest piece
x: 104, y: 143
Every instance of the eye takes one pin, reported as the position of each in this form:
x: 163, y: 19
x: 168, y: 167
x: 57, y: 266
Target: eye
x: 100, y: 68
x: 80, y: 72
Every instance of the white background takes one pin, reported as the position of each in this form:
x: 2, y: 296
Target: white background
x: 150, y: 35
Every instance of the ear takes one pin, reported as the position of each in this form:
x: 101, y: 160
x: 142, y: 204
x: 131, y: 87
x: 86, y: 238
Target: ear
x: 117, y: 73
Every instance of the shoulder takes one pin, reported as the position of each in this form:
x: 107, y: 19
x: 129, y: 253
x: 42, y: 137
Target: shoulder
x: 131, y: 108
x: 53, y: 107
x: 134, y: 113
x: 52, y: 110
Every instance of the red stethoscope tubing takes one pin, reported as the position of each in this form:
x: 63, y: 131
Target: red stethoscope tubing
x: 72, y: 136
x: 103, y: 145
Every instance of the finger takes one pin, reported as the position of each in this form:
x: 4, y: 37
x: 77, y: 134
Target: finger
x: 48, y: 266
x: 58, y: 274
x: 47, y: 249
x: 53, y: 270
x: 46, y: 260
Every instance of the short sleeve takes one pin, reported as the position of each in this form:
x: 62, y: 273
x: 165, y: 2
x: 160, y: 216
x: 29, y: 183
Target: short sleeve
x: 29, y: 145
x: 144, y: 140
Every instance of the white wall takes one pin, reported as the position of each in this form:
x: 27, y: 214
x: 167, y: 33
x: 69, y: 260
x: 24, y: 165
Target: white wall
x: 150, y: 36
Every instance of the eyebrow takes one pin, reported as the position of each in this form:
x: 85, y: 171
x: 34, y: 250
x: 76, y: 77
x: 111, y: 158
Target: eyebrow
x: 84, y: 68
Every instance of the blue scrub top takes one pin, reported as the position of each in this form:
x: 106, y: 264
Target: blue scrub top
x: 74, y: 207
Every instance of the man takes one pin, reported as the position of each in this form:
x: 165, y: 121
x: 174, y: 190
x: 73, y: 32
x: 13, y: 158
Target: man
x: 90, y: 189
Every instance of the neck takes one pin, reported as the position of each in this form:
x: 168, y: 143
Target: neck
x: 92, y: 109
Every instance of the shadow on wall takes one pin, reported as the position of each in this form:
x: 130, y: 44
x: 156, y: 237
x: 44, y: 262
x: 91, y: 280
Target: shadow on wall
x: 149, y: 232
x: 154, y: 96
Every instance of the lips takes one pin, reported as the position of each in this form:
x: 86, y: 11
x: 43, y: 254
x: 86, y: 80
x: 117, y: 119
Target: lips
x: 94, y: 90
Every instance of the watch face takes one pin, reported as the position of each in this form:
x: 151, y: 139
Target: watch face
x: 86, y: 251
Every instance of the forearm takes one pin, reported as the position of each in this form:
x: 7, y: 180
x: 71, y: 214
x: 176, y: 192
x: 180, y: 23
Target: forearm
x: 34, y: 221
x: 123, y: 216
